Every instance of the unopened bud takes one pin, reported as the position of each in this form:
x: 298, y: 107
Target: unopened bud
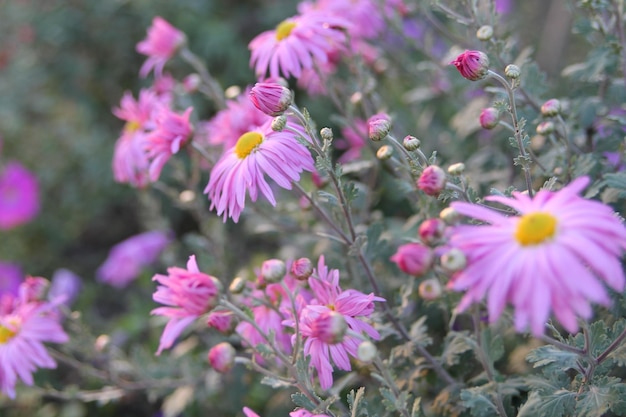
x: 384, y: 152
x: 489, y: 118
x: 192, y: 82
x: 449, y: 215
x: 222, y: 357
x: 273, y: 270
x: 413, y: 258
x: 484, y: 33
x: 432, y: 180
x: 237, y: 285
x: 430, y: 289
x: 378, y: 126
x: 279, y: 123
x: 330, y: 327
x: 473, y: 65
x: 327, y: 134
x: 453, y: 260
x: 366, y: 351
x: 512, y: 71
x: 271, y: 98
x: 411, y: 143
x: 545, y: 128
x: 221, y: 320
x: 302, y: 268
x: 431, y: 230
x: 456, y: 169
x: 551, y: 108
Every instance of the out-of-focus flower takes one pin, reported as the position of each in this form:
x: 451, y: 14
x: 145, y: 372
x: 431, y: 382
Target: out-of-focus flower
x: 414, y: 258
x: 271, y: 98
x: 489, y: 118
x: 188, y: 294
x: 429, y: 289
x: 11, y: 276
x: 273, y: 270
x: 529, y: 259
x: 473, y: 65
x: 297, y: 43
x: 33, y: 289
x: 161, y: 44
x: 65, y: 286
x: 432, y: 180
x: 551, y: 108
x: 128, y: 258
x: 302, y: 268
x: 172, y: 130
x: 353, y: 140
x: 242, y: 169
x: 431, y: 230
x: 24, y: 327
x: 19, y: 195
x: 221, y: 320
x: 222, y: 357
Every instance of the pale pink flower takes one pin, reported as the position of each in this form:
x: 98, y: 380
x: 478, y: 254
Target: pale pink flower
x: 188, y: 293
x: 19, y: 195
x: 24, y: 328
x: 366, y: 17
x: 297, y: 43
x: 473, y: 65
x: 172, y: 130
x: 242, y: 169
x: 554, y: 255
x: 161, y: 44
x: 129, y: 258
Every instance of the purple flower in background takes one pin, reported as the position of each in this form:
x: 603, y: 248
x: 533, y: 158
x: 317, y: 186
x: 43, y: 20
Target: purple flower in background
x: 19, y: 196
x: 11, y: 276
x: 65, y: 286
x: 128, y: 258
x: 504, y: 6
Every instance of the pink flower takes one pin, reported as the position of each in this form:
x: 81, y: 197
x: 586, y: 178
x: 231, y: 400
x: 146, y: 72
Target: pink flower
x: 221, y: 320
x: 489, y: 118
x: 189, y: 293
x: 10, y: 278
x: 432, y: 180
x: 414, y: 258
x: 242, y: 169
x: 354, y: 140
x: 65, y: 286
x: 161, y: 44
x: 171, y: 132
x: 431, y: 230
x: 271, y: 98
x: 128, y: 258
x: 19, y: 196
x: 529, y: 259
x: 222, y: 357
x: 353, y: 305
x: 24, y: 328
x: 249, y: 413
x: 296, y: 44
x: 366, y: 17
x: 472, y: 65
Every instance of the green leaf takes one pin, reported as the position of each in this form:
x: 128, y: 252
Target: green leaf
x: 388, y: 399
x: 552, y: 359
x: 456, y: 343
x: 594, y: 402
x: 419, y: 332
x: 417, y: 411
x: 478, y: 403
x: 560, y: 403
x: 357, y: 404
x: 618, y: 405
x: 493, y: 345
x: 275, y: 382
x: 301, y: 400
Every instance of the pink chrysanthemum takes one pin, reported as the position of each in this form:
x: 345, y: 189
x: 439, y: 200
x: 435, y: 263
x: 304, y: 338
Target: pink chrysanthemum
x: 297, y: 43
x: 161, y: 44
x: 19, y: 195
x: 23, y: 330
x: 353, y: 305
x: 366, y: 16
x: 552, y: 256
x: 128, y: 258
x: 242, y: 169
x: 189, y: 293
x: 172, y: 130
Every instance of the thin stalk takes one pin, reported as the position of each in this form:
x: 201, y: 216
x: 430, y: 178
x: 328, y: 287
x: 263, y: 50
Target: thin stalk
x: 384, y: 372
x: 561, y: 345
x: 214, y: 89
x: 601, y: 357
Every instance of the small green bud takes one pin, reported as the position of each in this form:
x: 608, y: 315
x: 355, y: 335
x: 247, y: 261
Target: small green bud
x: 456, y: 169
x: 384, y: 152
x: 279, y: 123
x: 327, y: 134
x: 411, y: 143
x: 512, y: 71
x: 484, y: 33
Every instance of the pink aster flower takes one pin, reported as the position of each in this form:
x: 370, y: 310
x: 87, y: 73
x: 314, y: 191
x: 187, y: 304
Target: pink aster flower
x: 19, y: 195
x: 188, y: 294
x: 128, y: 258
x: 161, y: 44
x: 354, y: 306
x: 472, y: 65
x: 297, y: 43
x: 172, y: 130
x: 24, y: 328
x: 530, y: 259
x: 242, y: 169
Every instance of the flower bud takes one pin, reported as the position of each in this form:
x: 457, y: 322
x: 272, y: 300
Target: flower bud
x: 473, y: 65
x: 271, y: 98
x: 430, y: 289
x: 489, y: 118
x: 34, y: 289
x: 431, y: 230
x: 413, y: 258
x: 191, y: 83
x: 512, y: 71
x: 411, y: 143
x: 432, y: 181
x: 551, y: 108
x: 384, y: 152
x: 545, y: 128
x: 456, y: 169
x: 222, y: 357
x: 273, y: 270
x: 378, y: 126
x: 279, y: 123
x: 329, y: 327
x: 484, y: 33
x: 302, y: 268
x: 327, y: 134
x: 237, y: 285
x: 453, y: 260
x: 366, y: 351
x: 221, y: 320
x: 449, y: 215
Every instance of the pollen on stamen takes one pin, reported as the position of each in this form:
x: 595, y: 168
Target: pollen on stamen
x: 535, y: 228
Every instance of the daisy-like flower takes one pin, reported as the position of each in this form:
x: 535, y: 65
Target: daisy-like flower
x: 19, y: 195
x: 172, y: 130
x: 553, y: 255
x: 161, y: 44
x: 242, y: 169
x: 24, y: 328
x: 188, y: 293
x: 318, y: 327
x: 297, y: 43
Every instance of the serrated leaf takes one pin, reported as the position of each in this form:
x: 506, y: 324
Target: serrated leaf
x: 419, y: 332
x: 560, y: 403
x: 456, y: 344
x: 477, y: 403
x: 388, y: 399
x: 357, y: 403
x: 552, y: 359
x: 594, y: 402
x: 275, y: 382
x: 618, y: 405
x: 493, y: 345
x: 417, y: 411
x: 301, y: 400
x: 327, y: 198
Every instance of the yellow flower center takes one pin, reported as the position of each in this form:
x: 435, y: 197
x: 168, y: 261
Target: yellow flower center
x: 284, y: 29
x: 6, y: 334
x: 534, y: 228
x: 247, y: 143
x: 132, y: 126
